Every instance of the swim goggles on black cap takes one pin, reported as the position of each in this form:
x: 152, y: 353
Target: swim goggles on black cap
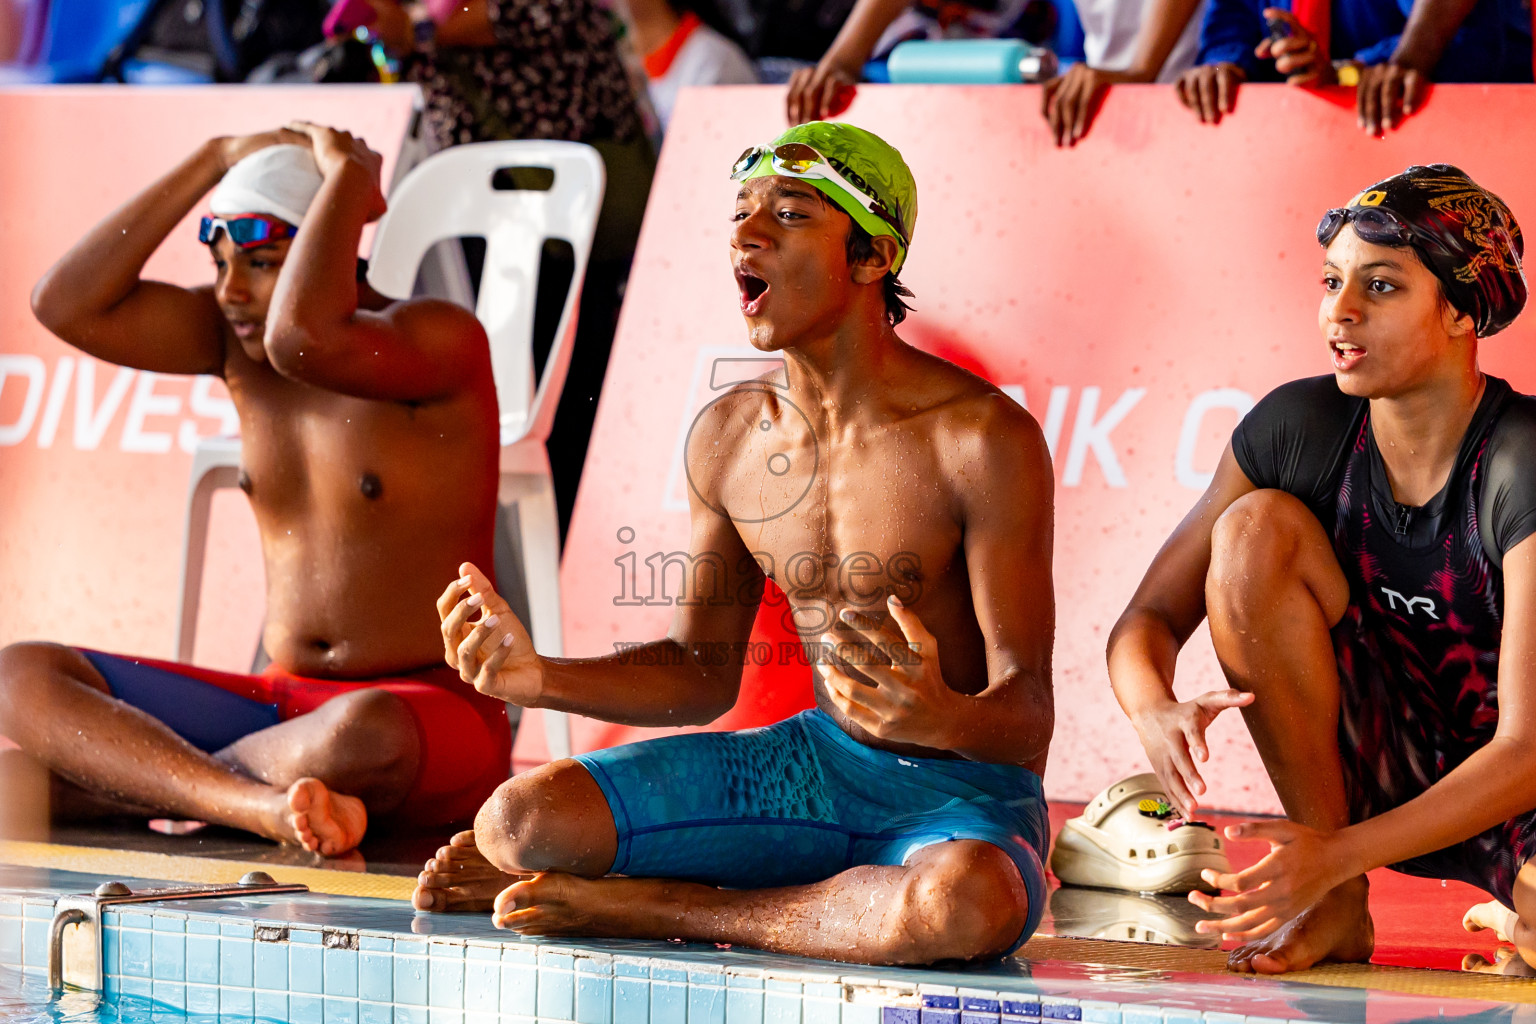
x: 1374, y: 225
x: 247, y: 232
x: 797, y: 160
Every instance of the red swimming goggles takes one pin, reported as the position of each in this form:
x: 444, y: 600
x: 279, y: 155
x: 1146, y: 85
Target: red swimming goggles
x: 247, y: 231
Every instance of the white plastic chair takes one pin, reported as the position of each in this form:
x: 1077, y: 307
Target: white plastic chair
x: 450, y: 195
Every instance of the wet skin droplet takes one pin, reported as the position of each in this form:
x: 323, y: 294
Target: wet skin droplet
x: 371, y: 486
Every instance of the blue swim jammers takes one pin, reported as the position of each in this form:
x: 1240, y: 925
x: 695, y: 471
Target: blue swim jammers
x: 797, y: 802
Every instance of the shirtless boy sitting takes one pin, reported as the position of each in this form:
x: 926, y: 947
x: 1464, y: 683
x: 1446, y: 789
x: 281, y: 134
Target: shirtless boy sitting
x: 1365, y: 555
x: 354, y: 426
x: 902, y: 820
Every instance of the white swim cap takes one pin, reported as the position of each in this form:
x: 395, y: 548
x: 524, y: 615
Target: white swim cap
x: 280, y: 181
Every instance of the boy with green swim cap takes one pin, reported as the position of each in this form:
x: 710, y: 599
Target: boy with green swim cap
x: 903, y: 506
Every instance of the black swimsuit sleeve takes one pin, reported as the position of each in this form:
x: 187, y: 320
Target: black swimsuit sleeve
x: 1297, y: 439
x: 1508, y: 489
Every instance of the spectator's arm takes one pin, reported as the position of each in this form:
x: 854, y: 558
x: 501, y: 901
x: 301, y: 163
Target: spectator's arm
x: 1162, y: 23
x: 1432, y: 24
x: 813, y: 92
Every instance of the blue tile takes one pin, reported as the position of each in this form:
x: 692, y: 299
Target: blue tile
x: 967, y: 1017
x: 445, y: 1015
x: 306, y: 968
x: 706, y: 997
x: 199, y: 925
x: 1181, y: 1016
x: 782, y: 1008
x: 271, y: 966
x: 37, y: 909
x: 375, y: 943
x: 594, y: 998
x: 930, y: 1015
x: 10, y: 941
x: 931, y: 1001
x: 111, y: 949
x: 557, y: 990
x: 375, y: 1013
x: 272, y: 1004
x: 411, y: 979
x: 669, y: 998
x: 341, y: 973
x: 519, y: 986
x: 169, y: 923
x: 1021, y: 1007
x: 237, y: 1002
x: 141, y: 987
x: 137, y: 919
x: 1059, y: 1009
x: 411, y: 1015
x: 376, y: 977
x: 237, y: 961
x: 305, y: 1009
x: 135, y: 952
x: 631, y: 999
x: 171, y: 993
x: 305, y: 936
x: 1097, y: 1012
x: 743, y: 1005
x: 482, y: 980
x: 202, y: 999
x: 202, y: 959
x: 34, y: 942
x: 1141, y: 1015
x: 237, y: 929
x: 445, y: 986
x: 341, y: 1011
x: 899, y: 1015
x: 169, y: 956
x: 860, y: 1013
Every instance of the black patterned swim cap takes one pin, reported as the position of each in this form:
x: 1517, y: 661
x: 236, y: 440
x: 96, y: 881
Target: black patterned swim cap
x: 1463, y: 233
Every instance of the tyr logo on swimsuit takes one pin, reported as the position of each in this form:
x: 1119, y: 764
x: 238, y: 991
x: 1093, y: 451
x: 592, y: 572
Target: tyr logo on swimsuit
x: 1409, y: 603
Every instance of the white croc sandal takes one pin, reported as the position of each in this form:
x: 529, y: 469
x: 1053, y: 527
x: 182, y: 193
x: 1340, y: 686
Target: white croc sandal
x: 1130, y: 838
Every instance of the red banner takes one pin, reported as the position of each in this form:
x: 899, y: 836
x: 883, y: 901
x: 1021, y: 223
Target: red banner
x: 1137, y: 293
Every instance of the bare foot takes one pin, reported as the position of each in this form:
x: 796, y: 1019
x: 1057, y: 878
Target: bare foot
x: 459, y: 878
x: 1337, y: 927
x: 1492, y: 915
x: 1506, y: 962
x: 324, y: 822
x: 554, y: 903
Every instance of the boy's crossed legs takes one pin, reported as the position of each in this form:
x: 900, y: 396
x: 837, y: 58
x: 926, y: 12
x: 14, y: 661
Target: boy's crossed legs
x: 930, y: 886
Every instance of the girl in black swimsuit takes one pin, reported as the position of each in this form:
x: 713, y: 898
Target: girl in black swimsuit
x: 1358, y: 554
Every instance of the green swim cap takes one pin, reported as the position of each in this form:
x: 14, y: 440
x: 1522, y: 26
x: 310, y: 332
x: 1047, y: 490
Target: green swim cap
x: 863, y: 158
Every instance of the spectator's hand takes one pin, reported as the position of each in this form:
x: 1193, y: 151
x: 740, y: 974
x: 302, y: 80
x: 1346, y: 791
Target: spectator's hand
x: 335, y: 150
x: 1173, y: 736
x: 494, y: 654
x: 1387, y: 95
x: 235, y: 148
x: 1297, y: 56
x: 1210, y: 90
x: 1071, y: 101
x: 824, y: 91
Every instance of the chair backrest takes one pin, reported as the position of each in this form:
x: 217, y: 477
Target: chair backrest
x: 452, y: 194
x: 80, y: 34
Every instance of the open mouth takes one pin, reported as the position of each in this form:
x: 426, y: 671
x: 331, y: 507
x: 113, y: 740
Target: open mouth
x: 752, y: 289
x: 1345, y: 354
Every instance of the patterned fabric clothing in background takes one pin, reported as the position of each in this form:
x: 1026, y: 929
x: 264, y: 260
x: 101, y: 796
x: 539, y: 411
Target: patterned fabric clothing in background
x: 555, y: 73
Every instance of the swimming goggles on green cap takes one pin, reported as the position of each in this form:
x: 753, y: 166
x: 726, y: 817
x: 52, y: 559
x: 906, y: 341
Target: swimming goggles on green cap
x: 797, y: 160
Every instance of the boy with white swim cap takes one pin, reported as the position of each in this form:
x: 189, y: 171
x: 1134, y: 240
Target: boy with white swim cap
x: 902, y: 821
x: 357, y: 417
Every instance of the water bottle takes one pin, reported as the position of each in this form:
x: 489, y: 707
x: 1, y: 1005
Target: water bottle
x: 970, y: 62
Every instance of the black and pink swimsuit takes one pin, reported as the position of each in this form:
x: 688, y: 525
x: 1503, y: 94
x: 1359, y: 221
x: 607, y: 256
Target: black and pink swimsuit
x: 1418, y: 646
